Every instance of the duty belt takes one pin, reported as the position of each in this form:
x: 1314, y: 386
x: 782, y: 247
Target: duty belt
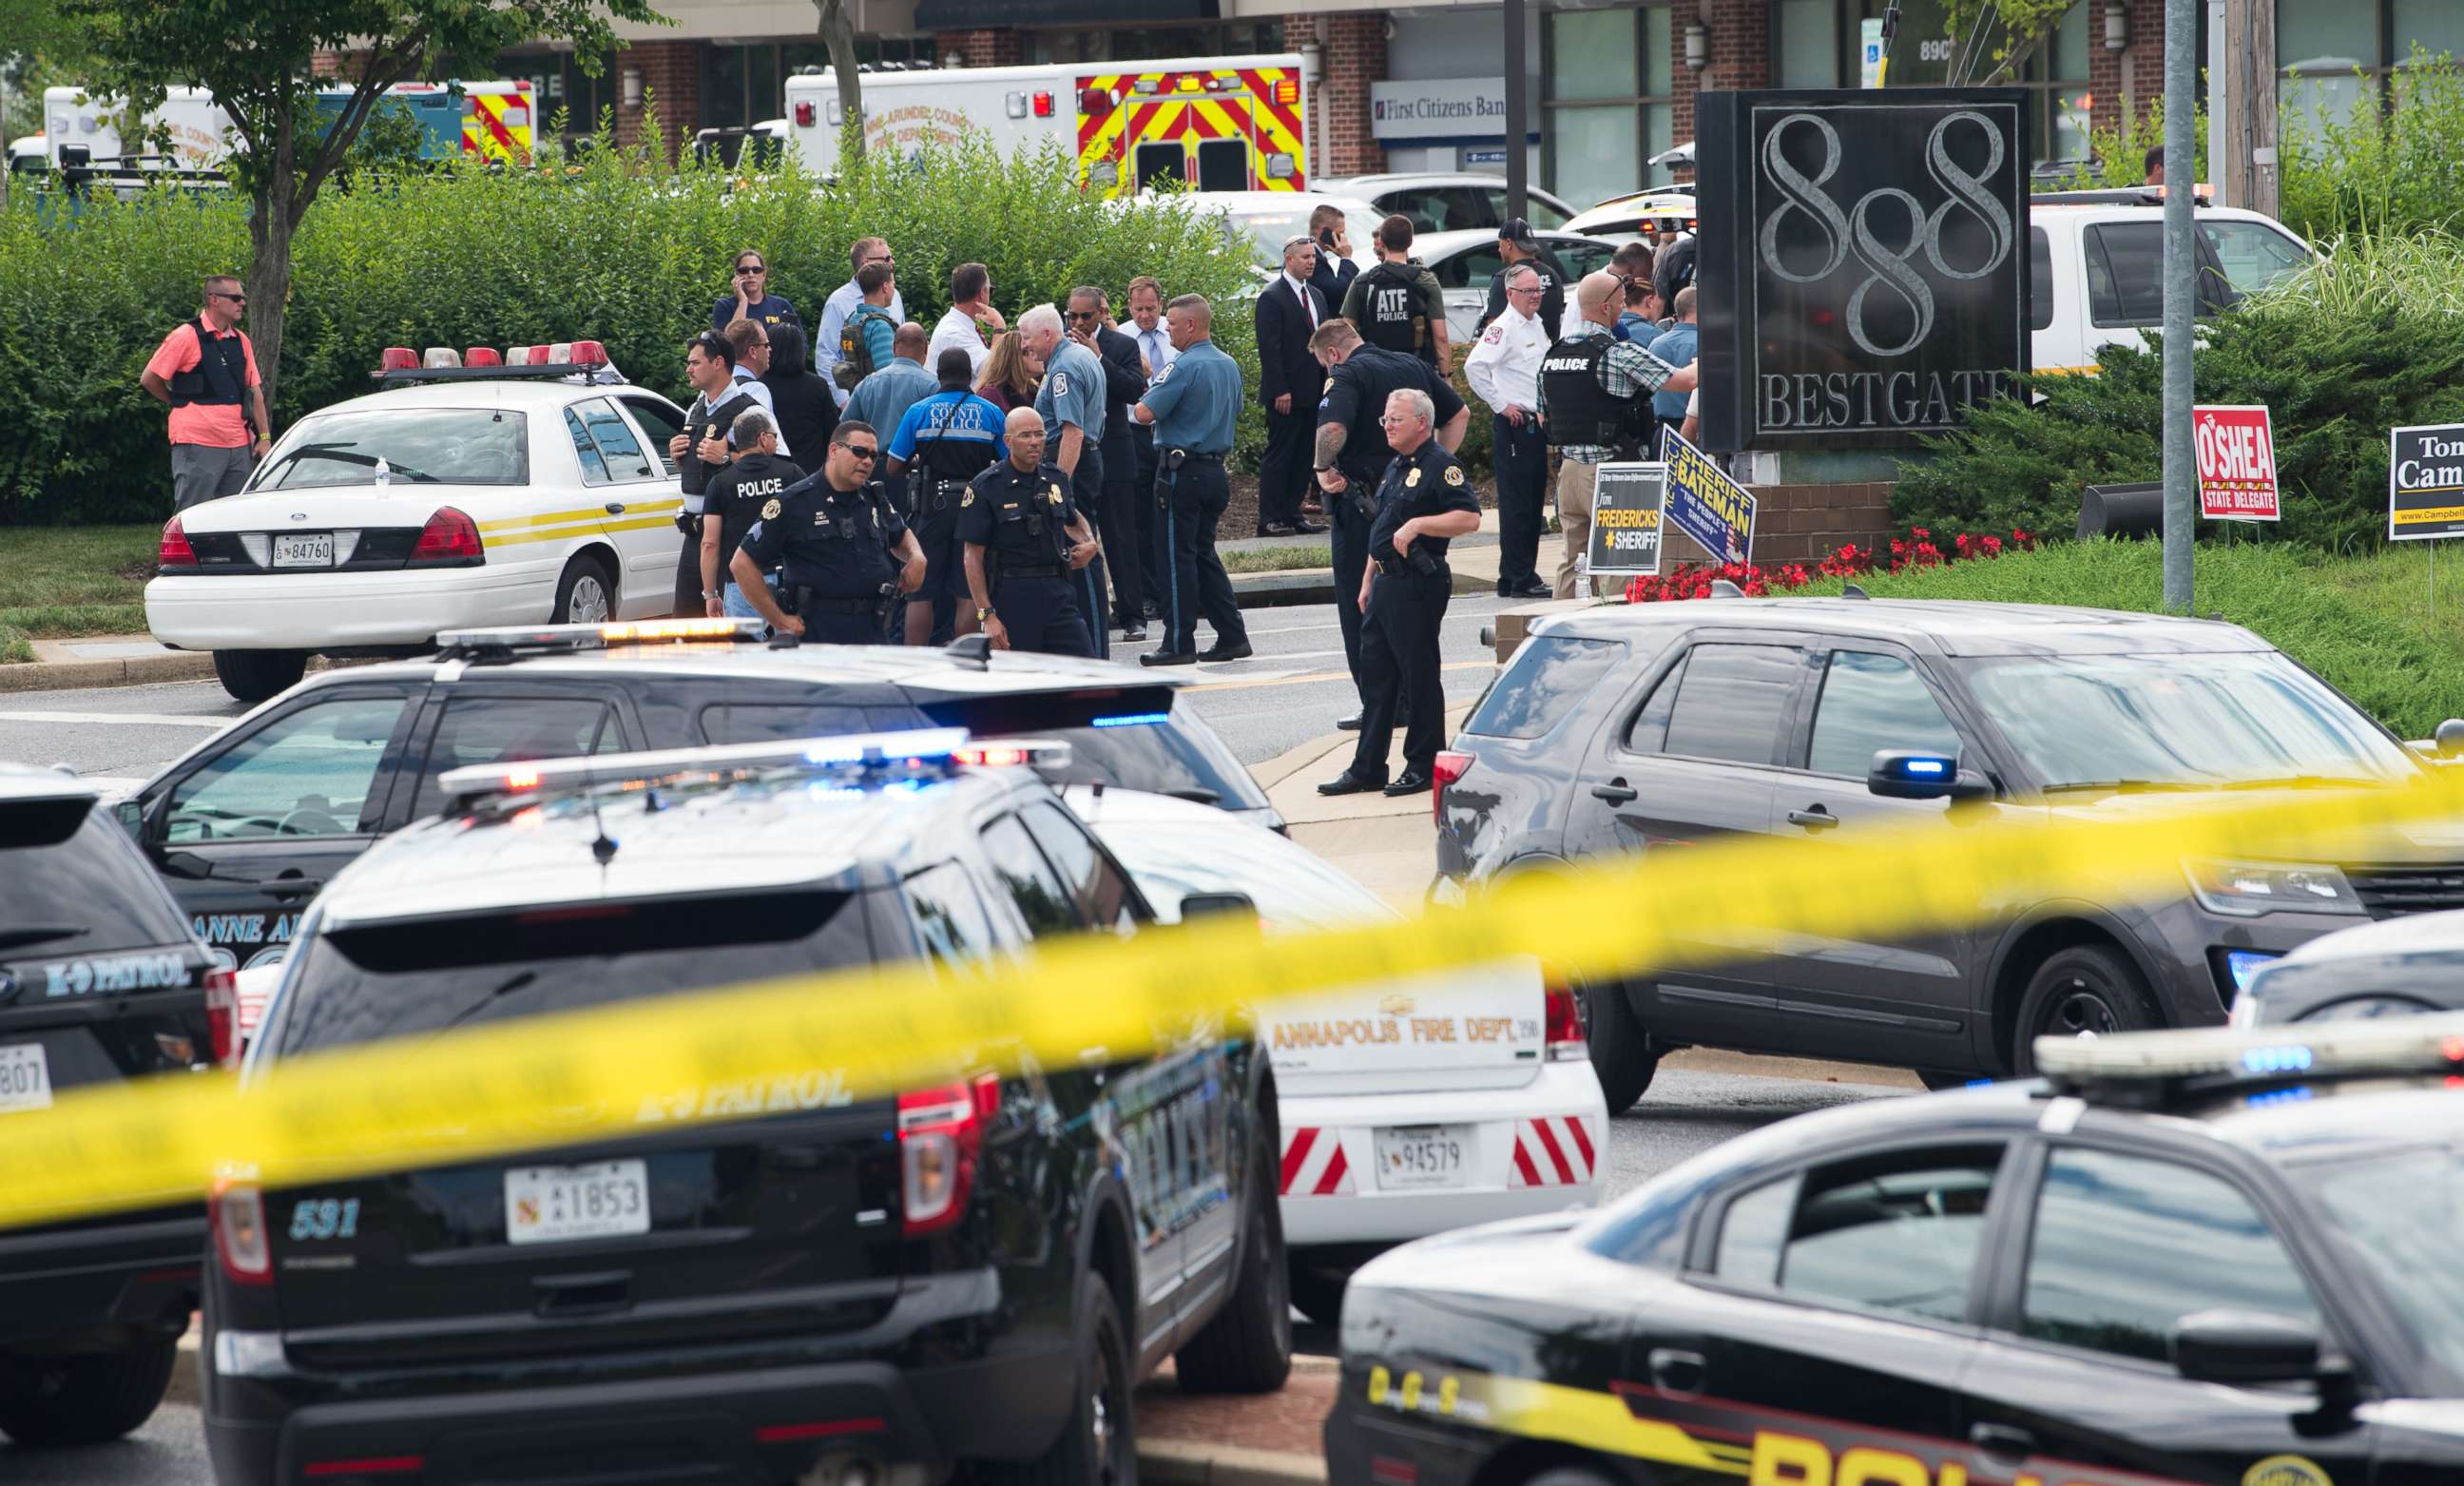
x: 822, y: 606
x: 1193, y: 456
x: 1011, y: 569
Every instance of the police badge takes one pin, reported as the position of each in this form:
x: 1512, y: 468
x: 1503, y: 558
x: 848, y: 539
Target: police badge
x: 770, y: 511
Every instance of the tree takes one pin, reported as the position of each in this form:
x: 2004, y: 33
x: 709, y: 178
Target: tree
x: 838, y: 34
x: 255, y: 55
x: 1994, y: 39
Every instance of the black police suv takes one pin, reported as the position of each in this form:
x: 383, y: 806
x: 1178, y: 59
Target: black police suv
x: 1657, y: 725
x: 99, y: 981
x: 874, y: 1289
x: 2207, y: 1256
x: 248, y: 826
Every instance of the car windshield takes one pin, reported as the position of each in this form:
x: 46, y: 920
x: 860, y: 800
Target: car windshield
x: 70, y: 888
x: 1269, y: 227
x: 2180, y: 721
x: 1158, y: 758
x: 420, y: 446
x: 1292, y: 889
x: 2400, y: 1214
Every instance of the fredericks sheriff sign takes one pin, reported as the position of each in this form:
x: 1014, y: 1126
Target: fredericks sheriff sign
x: 1864, y: 262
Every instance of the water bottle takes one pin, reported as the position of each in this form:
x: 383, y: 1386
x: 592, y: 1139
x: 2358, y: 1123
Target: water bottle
x: 384, y: 472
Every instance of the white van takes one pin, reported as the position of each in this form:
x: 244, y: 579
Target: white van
x: 2096, y: 259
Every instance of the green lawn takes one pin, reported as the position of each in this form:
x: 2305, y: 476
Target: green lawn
x: 1276, y: 560
x: 62, y: 581
x: 2363, y: 623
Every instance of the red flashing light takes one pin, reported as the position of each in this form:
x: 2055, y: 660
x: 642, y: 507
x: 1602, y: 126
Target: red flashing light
x: 1042, y: 103
x: 482, y: 356
x: 804, y: 113
x: 1451, y: 766
x: 2452, y: 1049
x: 371, y: 1465
x: 399, y: 358
x: 1565, y: 1027
x: 1094, y: 103
x: 222, y: 1015
x: 175, y: 551
x: 1288, y: 91
x: 449, y: 536
x: 587, y: 353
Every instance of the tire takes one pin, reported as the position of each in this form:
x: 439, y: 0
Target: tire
x: 255, y: 674
x: 2084, y: 988
x: 585, y: 592
x: 1247, y: 1346
x: 1318, y: 1293
x: 87, y: 1400
x: 1099, y: 1444
x: 1621, y: 1051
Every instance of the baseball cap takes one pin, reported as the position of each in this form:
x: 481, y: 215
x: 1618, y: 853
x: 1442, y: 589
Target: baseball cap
x: 1518, y: 231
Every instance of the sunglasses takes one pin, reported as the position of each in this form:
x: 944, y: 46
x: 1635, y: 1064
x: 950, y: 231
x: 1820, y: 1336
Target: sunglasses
x: 747, y: 270
x: 866, y: 452
x: 1082, y: 314
x: 235, y: 299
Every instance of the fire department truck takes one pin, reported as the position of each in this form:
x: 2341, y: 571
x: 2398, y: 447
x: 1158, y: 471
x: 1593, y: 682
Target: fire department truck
x: 492, y: 120
x: 1221, y: 124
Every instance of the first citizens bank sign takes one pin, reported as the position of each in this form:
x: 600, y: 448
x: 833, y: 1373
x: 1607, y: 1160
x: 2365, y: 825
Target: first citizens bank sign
x: 1864, y: 262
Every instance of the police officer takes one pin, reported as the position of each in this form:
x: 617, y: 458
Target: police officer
x: 1192, y: 405
x: 710, y: 366
x: 944, y: 441
x: 733, y: 501
x: 1594, y: 407
x: 1422, y: 503
x: 833, y: 538
x: 1516, y: 244
x: 1352, y: 453
x: 1021, y: 512
x: 1071, y: 403
x: 1399, y: 306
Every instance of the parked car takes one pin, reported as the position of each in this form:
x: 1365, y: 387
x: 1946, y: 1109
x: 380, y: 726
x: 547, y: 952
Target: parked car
x: 1407, y: 1107
x: 1445, y: 201
x: 2400, y: 967
x: 2095, y: 264
x: 250, y: 824
x: 1647, y: 727
x: 1264, y: 221
x: 1649, y: 211
x: 1463, y: 262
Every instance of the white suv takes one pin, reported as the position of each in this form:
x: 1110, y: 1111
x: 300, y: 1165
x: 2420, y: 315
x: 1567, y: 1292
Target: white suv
x: 2098, y: 269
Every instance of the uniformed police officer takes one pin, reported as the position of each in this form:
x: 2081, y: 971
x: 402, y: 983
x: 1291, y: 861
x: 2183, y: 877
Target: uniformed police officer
x: 1352, y: 455
x: 1423, y: 501
x: 1193, y: 405
x: 944, y: 442
x: 1022, y: 513
x: 1071, y: 403
x: 833, y: 537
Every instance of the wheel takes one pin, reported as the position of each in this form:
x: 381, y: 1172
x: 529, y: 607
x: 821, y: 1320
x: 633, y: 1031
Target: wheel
x: 1318, y: 1293
x: 84, y: 1400
x: 1621, y: 1051
x: 1099, y: 1445
x: 2084, y: 991
x: 254, y: 675
x: 1248, y: 1347
x: 586, y: 594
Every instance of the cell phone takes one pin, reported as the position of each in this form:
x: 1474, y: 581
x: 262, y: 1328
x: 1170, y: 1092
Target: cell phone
x: 1326, y: 236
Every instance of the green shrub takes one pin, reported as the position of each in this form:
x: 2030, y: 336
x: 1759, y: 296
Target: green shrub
x: 2394, y: 170
x: 2338, y: 355
x: 616, y: 248
x: 2361, y: 623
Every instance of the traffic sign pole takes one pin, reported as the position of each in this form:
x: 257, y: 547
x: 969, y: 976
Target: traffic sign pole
x: 2181, y: 175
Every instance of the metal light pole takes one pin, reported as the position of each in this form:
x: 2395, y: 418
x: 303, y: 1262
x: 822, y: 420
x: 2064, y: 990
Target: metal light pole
x: 1518, y: 105
x: 2181, y: 288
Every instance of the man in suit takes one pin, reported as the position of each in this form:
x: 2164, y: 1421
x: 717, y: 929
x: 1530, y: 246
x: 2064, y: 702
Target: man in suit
x: 1125, y: 383
x: 1336, y: 270
x: 1289, y: 383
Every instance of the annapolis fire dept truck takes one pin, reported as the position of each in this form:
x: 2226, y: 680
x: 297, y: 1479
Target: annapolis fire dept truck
x: 1221, y: 124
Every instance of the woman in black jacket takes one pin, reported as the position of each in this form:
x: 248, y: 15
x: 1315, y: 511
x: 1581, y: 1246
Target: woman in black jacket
x: 807, y: 413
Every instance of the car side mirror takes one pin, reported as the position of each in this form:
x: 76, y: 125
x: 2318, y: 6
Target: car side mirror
x: 2448, y: 739
x: 1202, y: 905
x: 2245, y: 1348
x: 1922, y: 774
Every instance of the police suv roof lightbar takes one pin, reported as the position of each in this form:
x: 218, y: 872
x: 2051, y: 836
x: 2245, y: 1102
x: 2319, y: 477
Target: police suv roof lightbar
x: 2149, y: 1069
x: 588, y: 359
x: 914, y: 753
x: 548, y: 639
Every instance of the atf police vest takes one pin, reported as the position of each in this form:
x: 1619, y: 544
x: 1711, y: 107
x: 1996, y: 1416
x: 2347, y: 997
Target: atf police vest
x: 703, y: 421
x: 1390, y: 316
x: 220, y: 376
x: 1581, y: 411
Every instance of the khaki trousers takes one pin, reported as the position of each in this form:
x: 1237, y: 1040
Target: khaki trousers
x: 1576, y: 483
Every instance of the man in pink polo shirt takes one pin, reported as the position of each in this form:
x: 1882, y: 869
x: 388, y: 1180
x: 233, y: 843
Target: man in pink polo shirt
x: 205, y: 369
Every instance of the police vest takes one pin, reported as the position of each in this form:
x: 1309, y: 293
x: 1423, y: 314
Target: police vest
x: 220, y: 376
x: 1581, y: 411
x: 1026, y: 522
x: 1390, y: 313
x: 703, y: 421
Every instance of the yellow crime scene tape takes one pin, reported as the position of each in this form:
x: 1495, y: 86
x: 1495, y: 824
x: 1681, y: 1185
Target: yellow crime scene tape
x: 572, y: 1077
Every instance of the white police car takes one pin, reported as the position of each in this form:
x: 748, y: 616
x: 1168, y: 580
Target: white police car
x: 454, y: 496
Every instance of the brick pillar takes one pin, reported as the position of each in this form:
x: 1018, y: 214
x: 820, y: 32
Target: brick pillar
x: 1739, y: 38
x: 672, y: 82
x: 1352, y: 56
x: 979, y: 48
x: 2134, y: 76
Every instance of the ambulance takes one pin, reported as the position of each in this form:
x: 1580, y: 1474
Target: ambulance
x: 493, y: 122
x: 1221, y: 124
x: 197, y: 125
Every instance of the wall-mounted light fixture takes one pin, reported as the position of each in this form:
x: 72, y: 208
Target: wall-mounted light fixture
x: 1698, y: 46
x: 633, y: 87
x: 2117, y: 26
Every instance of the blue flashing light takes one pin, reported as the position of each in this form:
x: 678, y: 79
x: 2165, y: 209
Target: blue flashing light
x: 1134, y: 719
x: 2289, y: 1059
x: 2298, y: 1093
x: 1930, y: 768
x: 2244, y: 964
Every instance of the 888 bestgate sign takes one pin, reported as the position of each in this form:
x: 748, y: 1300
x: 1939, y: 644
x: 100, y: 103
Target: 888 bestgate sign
x: 1864, y: 262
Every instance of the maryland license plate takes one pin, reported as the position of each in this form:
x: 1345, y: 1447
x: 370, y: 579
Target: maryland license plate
x: 547, y: 1205
x: 305, y: 549
x: 1422, y: 1156
x: 25, y: 1079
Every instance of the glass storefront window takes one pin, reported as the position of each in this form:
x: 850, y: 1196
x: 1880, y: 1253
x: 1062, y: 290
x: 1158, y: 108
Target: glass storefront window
x: 1808, y: 43
x: 1591, y: 53
x: 1592, y: 151
x: 2436, y: 25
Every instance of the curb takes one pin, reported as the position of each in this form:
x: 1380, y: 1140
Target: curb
x: 1316, y: 586
x: 46, y: 675
x: 1182, y: 1463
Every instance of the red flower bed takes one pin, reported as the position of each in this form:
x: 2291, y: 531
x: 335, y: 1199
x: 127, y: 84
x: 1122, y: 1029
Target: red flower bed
x: 1916, y: 549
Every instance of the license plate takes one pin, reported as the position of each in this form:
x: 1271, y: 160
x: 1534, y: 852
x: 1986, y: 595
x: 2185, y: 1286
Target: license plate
x: 304, y: 552
x: 1423, y: 1156
x: 548, y: 1205
x: 25, y: 1079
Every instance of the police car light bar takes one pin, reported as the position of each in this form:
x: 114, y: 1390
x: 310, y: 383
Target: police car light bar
x: 2141, y: 1068
x: 551, y: 638
x: 917, y: 751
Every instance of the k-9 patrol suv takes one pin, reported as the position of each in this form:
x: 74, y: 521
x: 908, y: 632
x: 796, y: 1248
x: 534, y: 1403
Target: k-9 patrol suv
x: 874, y: 1289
